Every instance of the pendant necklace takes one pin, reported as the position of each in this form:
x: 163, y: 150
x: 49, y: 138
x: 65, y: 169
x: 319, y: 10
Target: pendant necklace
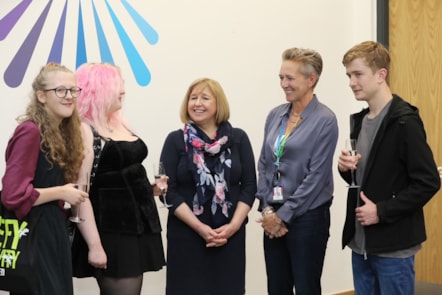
x: 110, y: 130
x: 296, y: 115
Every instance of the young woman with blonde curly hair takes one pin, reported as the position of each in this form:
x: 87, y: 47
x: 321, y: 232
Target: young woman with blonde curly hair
x: 43, y: 159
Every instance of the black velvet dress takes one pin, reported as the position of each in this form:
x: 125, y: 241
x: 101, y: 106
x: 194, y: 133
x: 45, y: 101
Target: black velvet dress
x: 125, y: 213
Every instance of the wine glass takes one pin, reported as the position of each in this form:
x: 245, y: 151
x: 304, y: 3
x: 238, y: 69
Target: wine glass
x: 84, y: 187
x: 159, y: 172
x: 350, y: 145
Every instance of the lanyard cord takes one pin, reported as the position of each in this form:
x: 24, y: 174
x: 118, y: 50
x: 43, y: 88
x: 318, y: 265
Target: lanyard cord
x: 282, y: 139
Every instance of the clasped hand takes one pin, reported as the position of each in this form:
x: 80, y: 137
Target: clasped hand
x: 273, y: 226
x: 216, y: 237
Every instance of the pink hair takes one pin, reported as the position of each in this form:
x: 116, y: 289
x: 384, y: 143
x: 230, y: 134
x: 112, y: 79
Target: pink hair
x: 101, y: 83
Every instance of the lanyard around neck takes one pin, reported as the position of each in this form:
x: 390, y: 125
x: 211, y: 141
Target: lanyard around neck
x: 282, y: 139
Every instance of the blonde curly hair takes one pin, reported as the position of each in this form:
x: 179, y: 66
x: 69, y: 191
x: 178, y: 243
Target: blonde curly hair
x: 61, y: 143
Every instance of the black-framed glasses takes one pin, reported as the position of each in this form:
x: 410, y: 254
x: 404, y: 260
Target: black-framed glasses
x: 61, y: 92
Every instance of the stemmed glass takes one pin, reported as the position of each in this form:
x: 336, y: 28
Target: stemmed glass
x: 159, y: 173
x: 84, y: 187
x: 350, y: 145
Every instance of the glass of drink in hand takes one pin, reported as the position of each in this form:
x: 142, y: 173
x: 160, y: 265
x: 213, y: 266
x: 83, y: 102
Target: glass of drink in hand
x: 83, y: 187
x: 350, y: 145
x: 160, y: 180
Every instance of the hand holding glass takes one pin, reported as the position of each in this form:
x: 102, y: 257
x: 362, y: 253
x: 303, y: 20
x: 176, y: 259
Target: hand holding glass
x: 83, y: 187
x: 160, y: 179
x: 350, y: 145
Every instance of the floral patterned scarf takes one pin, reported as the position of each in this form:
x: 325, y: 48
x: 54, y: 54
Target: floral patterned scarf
x: 209, y: 162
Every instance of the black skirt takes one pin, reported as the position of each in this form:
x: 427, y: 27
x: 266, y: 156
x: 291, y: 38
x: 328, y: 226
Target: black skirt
x: 128, y: 255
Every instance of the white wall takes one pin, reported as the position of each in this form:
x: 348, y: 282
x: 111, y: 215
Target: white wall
x: 238, y: 43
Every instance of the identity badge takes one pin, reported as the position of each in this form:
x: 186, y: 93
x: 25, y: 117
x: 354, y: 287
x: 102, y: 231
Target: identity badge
x: 277, y: 193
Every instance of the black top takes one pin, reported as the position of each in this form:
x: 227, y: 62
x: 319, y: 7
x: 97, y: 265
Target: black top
x: 121, y: 195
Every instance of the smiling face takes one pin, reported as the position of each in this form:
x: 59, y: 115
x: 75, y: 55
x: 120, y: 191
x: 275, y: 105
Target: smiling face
x: 201, y: 106
x: 296, y: 86
x: 364, y: 81
x: 56, y: 107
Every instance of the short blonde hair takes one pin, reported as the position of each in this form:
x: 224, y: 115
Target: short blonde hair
x: 222, y: 105
x: 374, y: 55
x: 310, y: 59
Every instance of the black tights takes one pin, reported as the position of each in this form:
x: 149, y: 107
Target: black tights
x: 120, y: 286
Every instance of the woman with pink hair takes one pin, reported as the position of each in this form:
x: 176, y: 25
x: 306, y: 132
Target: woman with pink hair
x: 121, y: 235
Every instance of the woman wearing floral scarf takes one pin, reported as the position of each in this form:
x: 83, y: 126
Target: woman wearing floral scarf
x: 212, y: 186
